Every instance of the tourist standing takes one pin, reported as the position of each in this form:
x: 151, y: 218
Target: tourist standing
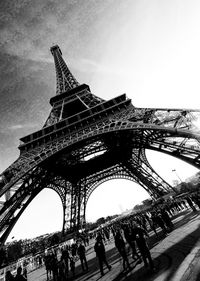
x: 81, y: 254
x: 101, y: 254
x: 65, y: 257
x: 139, y: 236
x: 9, y: 276
x: 19, y: 276
x: 130, y: 240
x: 121, y: 247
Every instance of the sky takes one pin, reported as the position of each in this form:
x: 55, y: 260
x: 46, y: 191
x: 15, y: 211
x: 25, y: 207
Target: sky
x: 146, y: 49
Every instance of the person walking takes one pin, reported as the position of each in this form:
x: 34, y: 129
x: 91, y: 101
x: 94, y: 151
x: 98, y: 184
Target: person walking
x: 121, y: 247
x: 25, y: 273
x: 130, y: 240
x: 72, y: 264
x: 48, y: 265
x: 62, y: 276
x: 101, y: 254
x: 157, y: 220
x: 54, y: 266
x: 167, y: 220
x: 81, y: 254
x: 139, y: 236
x: 66, y: 258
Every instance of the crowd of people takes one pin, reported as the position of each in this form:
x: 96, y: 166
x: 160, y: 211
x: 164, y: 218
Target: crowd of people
x: 59, y: 268
x: 130, y: 235
x: 134, y: 230
x: 18, y: 277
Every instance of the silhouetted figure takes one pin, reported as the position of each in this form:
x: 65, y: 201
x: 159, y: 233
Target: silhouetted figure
x: 25, y: 273
x: 19, y: 276
x: 107, y: 234
x: 143, y: 222
x: 62, y: 270
x: 81, y: 254
x: 74, y: 249
x: 167, y: 220
x: 9, y: 276
x: 54, y: 267
x: 120, y: 245
x: 72, y: 265
x: 101, y: 254
x: 159, y: 222
x: 190, y: 203
x: 2, y: 255
x: 40, y: 261
x: 139, y: 236
x: 65, y: 257
x: 130, y: 240
x: 48, y: 265
x: 153, y: 225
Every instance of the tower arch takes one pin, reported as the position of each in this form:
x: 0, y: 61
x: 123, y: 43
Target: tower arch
x: 114, y: 196
x: 42, y: 215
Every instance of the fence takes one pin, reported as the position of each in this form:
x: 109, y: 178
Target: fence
x: 31, y: 262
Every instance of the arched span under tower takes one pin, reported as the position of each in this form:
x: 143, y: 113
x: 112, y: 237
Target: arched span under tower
x: 43, y: 215
x: 113, y: 197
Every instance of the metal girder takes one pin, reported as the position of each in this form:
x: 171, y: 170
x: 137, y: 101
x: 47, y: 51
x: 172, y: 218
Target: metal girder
x: 139, y: 158
x: 16, y: 204
x: 5, y: 231
x: 184, y: 149
x: 63, y: 189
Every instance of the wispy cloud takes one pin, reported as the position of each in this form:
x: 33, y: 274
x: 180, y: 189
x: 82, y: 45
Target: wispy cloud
x: 16, y: 127
x: 88, y: 65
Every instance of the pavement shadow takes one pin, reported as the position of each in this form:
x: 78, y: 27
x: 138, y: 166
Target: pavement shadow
x: 154, y: 240
x: 167, y: 262
x: 112, y: 258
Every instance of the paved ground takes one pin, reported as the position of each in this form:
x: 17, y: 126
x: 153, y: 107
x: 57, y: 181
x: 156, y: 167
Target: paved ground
x: 176, y: 257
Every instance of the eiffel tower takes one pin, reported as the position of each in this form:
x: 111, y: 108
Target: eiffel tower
x: 86, y: 141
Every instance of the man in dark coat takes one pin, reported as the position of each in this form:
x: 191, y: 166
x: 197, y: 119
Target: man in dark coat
x: 139, y: 236
x: 101, y: 254
x: 19, y: 276
x: 81, y: 253
x: 121, y: 247
x: 130, y: 240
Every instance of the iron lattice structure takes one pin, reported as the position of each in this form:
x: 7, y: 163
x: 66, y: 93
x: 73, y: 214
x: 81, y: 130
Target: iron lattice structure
x: 86, y: 141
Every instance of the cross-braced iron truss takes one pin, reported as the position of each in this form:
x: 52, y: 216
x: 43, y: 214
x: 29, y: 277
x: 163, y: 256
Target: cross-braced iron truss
x: 87, y: 141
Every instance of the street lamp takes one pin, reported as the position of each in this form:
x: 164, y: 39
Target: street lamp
x: 177, y: 174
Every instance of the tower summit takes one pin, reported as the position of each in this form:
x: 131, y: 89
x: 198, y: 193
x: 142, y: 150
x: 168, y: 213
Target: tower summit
x: 71, y: 97
x: 65, y: 81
